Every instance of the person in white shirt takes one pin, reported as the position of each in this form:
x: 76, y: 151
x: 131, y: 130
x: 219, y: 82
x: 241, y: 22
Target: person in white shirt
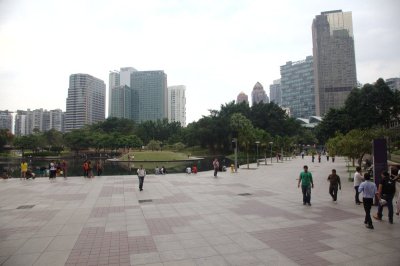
x: 141, y: 172
x: 357, y: 181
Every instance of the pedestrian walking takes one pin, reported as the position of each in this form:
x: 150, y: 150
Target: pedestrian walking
x: 313, y: 157
x: 369, y: 190
x: 397, y: 179
x: 357, y: 181
x: 63, y: 166
x: 319, y: 157
x: 327, y: 156
x: 216, y: 167
x: 52, y: 170
x: 307, y: 183
x: 99, y: 168
x: 90, y: 169
x: 334, y: 185
x: 302, y: 155
x: 386, y: 190
x: 141, y: 172
x: 85, y: 168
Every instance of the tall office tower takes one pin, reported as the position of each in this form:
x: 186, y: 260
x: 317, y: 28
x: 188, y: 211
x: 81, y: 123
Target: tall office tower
x: 334, y: 59
x: 118, y: 78
x: 57, y: 120
x: 113, y: 81
x: 393, y: 83
x: 297, y: 85
x: 121, y: 102
x: 6, y: 120
x: 275, y: 92
x: 125, y: 76
x: 242, y: 97
x: 177, y: 104
x: 151, y: 87
x: 85, y: 101
x: 258, y: 94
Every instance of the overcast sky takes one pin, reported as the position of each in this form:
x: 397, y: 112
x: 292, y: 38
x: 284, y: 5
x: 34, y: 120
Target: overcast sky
x: 217, y: 48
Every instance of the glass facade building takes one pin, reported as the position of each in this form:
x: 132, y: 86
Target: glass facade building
x: 177, y: 104
x: 297, y: 86
x: 334, y: 59
x: 85, y: 101
x: 151, y: 88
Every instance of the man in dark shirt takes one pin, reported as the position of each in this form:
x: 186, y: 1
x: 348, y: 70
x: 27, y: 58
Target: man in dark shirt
x: 386, y: 190
x: 334, y: 184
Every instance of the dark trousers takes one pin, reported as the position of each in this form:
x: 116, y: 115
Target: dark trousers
x: 389, y: 204
x: 141, y: 180
x: 306, y: 193
x: 215, y: 172
x: 367, y: 208
x: 333, y: 191
x: 357, y: 194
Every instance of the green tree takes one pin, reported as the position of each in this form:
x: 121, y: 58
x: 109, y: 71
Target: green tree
x: 154, y: 145
x: 246, y: 132
x: 6, y: 137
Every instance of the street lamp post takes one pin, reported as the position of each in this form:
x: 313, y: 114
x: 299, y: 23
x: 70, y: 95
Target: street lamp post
x: 271, y: 149
x: 258, y: 163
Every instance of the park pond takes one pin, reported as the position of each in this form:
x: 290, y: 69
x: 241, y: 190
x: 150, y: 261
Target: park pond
x: 11, y: 167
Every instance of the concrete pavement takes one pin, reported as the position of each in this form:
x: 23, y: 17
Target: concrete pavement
x: 253, y: 217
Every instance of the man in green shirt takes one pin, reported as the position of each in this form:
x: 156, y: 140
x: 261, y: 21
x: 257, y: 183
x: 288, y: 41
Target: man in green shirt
x: 307, y: 183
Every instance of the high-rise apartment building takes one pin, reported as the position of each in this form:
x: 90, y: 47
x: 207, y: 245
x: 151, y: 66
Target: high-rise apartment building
x: 177, y: 104
x: 393, y: 83
x: 6, y: 120
x: 29, y: 121
x: 297, y: 85
x: 258, y: 94
x: 85, y: 101
x: 275, y: 92
x: 334, y: 59
x: 151, y: 87
x: 242, y: 97
x: 57, y: 119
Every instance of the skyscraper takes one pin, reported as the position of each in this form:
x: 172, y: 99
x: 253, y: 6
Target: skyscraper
x: 334, y: 59
x: 113, y: 81
x: 122, y: 102
x: 275, y: 92
x: 6, y: 120
x: 151, y: 87
x: 85, y: 101
x: 177, y: 104
x: 297, y: 85
x: 118, y: 78
x: 242, y: 97
x: 258, y: 94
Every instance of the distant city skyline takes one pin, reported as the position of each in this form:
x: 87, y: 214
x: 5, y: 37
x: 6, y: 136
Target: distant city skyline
x: 216, y: 49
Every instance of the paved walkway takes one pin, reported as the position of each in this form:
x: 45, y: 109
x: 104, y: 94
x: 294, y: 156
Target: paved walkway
x: 254, y: 217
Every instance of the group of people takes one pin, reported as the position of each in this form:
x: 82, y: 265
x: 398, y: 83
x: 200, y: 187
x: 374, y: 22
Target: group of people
x: 191, y: 170
x: 55, y: 168
x: 88, y: 168
x: 160, y: 171
x: 384, y: 193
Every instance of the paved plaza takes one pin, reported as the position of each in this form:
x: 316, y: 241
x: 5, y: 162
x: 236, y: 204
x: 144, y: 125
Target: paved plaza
x: 253, y: 217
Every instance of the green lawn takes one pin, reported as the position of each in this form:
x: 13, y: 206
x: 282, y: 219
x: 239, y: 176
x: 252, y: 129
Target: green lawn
x: 156, y: 156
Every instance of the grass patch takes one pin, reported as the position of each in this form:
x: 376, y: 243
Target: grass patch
x: 156, y: 156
